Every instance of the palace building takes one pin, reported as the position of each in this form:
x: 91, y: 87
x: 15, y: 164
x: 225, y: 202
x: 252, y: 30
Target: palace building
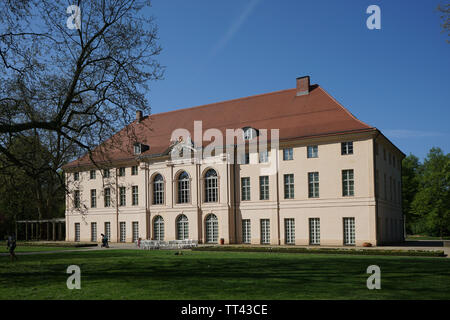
x: 334, y: 180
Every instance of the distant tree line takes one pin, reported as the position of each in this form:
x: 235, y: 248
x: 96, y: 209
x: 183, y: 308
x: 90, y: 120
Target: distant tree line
x: 426, y: 193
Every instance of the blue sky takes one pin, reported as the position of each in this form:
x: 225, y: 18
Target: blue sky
x: 396, y: 78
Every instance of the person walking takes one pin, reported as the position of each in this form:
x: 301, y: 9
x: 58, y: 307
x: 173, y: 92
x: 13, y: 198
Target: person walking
x: 11, y: 246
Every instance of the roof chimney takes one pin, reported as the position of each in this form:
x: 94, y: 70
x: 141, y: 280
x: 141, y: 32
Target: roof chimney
x: 138, y: 116
x: 302, y: 86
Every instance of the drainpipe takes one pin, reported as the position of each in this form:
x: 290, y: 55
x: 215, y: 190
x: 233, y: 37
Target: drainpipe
x: 235, y: 191
x: 117, y: 209
x: 278, y: 197
x: 375, y: 187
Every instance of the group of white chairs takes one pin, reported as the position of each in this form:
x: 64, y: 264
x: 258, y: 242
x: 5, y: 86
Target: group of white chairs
x: 160, y: 244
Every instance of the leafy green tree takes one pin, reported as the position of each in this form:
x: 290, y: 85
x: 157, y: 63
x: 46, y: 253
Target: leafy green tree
x: 431, y: 204
x: 410, y: 186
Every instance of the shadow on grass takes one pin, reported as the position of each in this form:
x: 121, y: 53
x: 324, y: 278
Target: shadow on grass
x: 219, y: 275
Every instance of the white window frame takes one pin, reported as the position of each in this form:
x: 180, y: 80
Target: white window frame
x: 314, y: 231
x: 245, y: 189
x: 313, y: 185
x: 348, y: 183
x: 107, y: 197
x: 246, y: 231
x: 264, y: 188
x: 312, y: 151
x: 123, y: 231
x: 346, y: 148
x: 77, y: 232
x: 158, y: 228
x: 349, y: 231
x: 182, y: 227
x: 158, y: 189
x: 288, y: 154
x: 265, y: 231
x: 93, y: 231
x: 122, y: 196
x: 212, y: 228
x: 135, y: 195
x: 135, y: 231
x: 211, y: 186
x: 289, y: 189
x: 289, y: 231
x: 184, y: 188
x: 93, y: 198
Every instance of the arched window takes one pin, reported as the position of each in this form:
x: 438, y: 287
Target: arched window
x: 250, y: 133
x: 212, y: 229
x: 158, y: 189
x: 158, y: 228
x: 182, y: 227
x: 183, y: 188
x: 211, y: 186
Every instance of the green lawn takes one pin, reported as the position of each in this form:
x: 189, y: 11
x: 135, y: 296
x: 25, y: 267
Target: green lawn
x: 138, y: 274
x: 39, y: 248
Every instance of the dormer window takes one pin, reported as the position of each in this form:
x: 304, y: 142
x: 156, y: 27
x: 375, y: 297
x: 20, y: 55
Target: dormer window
x: 250, y: 133
x: 137, y: 148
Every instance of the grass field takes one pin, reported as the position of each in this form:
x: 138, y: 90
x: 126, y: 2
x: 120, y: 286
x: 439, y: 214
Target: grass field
x: 39, y: 248
x: 136, y: 274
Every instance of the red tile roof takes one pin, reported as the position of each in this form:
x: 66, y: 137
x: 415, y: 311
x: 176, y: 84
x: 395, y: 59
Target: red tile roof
x: 315, y: 114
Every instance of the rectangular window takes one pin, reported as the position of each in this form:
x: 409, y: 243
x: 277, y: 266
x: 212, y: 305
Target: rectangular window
x: 76, y: 199
x: 77, y: 232
x: 122, y: 196
x: 264, y: 156
x: 289, y: 231
x: 288, y: 154
x: 376, y: 148
x: 385, y: 187
x: 94, y: 231
x: 347, y: 183
x: 135, y: 231
x: 123, y: 230
x: 347, y: 148
x: 92, y: 174
x: 313, y: 152
x: 76, y: 176
x: 93, y: 198
x: 134, y: 170
x: 384, y: 154
x: 245, y: 189
x: 349, y: 231
x: 289, y: 186
x: 314, y: 231
x: 313, y: 184
x: 135, y: 196
x: 393, y: 161
x: 390, y: 158
x: 122, y: 172
x: 106, y: 173
x: 108, y: 230
x: 246, y: 234
x: 107, y: 196
x: 399, y: 192
x: 265, y: 231
x: 264, y: 188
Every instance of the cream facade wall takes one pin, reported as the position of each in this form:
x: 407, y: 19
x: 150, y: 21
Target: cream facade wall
x: 377, y: 220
